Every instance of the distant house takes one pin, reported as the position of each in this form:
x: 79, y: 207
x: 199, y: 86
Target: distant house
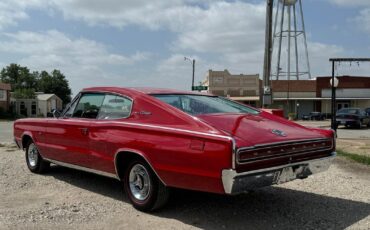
x: 48, y: 103
x: 38, y: 107
x: 5, y: 96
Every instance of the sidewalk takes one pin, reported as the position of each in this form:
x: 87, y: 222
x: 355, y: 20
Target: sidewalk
x: 317, y: 124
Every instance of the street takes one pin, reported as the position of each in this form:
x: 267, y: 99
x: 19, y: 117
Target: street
x: 6, y: 131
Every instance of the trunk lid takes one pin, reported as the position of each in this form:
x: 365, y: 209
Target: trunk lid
x: 259, y: 129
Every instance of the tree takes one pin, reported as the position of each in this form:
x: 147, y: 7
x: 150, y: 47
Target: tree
x: 55, y: 83
x: 18, y: 76
x: 24, y: 84
x: 24, y: 93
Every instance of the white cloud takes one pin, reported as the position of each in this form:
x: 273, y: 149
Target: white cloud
x: 363, y: 20
x: 13, y: 11
x: 80, y: 59
x: 351, y: 3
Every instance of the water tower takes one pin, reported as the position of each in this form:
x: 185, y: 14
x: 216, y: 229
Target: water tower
x: 289, y: 33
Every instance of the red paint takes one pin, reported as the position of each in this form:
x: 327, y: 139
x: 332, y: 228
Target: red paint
x: 185, y: 151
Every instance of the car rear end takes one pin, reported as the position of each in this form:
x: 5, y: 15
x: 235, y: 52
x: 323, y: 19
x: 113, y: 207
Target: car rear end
x: 348, y: 117
x: 277, y: 163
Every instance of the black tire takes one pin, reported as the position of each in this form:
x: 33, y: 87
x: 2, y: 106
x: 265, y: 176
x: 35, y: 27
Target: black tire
x: 154, y: 196
x: 359, y: 125
x: 35, y: 162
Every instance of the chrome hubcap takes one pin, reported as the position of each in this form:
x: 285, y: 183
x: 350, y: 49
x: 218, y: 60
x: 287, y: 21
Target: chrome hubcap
x: 33, y: 155
x: 139, y: 182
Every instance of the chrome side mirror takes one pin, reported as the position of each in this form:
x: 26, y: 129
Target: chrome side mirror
x: 56, y: 113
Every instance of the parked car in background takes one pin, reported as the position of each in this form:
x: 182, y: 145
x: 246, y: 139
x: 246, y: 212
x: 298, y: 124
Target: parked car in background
x: 155, y: 139
x: 317, y: 116
x: 352, y: 117
x: 367, y: 110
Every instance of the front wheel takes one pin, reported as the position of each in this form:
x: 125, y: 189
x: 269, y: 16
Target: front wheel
x: 143, y: 188
x: 35, y: 163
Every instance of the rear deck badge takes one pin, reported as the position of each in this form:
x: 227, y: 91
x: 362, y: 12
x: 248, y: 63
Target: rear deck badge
x: 279, y: 133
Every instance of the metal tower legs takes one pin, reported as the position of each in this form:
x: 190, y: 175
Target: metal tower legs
x: 290, y: 33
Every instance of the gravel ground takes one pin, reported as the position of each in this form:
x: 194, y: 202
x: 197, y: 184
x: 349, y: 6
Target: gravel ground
x: 69, y: 199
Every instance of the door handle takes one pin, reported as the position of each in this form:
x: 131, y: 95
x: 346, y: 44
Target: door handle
x: 84, y: 131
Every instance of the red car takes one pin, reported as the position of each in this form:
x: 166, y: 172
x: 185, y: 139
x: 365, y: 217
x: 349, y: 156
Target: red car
x: 155, y: 139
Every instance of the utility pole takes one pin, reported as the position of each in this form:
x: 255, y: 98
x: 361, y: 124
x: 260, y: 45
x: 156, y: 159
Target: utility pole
x: 192, y: 81
x: 267, y: 93
x: 193, y: 64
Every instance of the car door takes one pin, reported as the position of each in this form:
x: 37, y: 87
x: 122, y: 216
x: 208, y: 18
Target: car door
x: 68, y: 136
x: 105, y: 133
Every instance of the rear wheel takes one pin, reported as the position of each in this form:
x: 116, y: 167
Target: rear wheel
x: 35, y: 163
x: 143, y: 188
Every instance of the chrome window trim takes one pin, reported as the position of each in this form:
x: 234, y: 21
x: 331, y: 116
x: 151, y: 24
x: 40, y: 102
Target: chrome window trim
x: 77, y: 97
x: 119, y: 95
x: 81, y: 168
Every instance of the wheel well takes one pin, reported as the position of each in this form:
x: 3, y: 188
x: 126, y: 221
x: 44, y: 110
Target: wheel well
x: 25, y: 140
x: 122, y: 161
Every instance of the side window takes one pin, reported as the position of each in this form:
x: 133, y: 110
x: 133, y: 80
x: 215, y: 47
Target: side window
x: 88, y: 105
x: 115, y: 107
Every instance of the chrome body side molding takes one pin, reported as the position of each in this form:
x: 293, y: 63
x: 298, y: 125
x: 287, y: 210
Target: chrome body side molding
x: 72, y: 166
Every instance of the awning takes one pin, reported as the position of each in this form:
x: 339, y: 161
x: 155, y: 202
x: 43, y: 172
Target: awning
x: 245, y: 98
x: 317, y: 99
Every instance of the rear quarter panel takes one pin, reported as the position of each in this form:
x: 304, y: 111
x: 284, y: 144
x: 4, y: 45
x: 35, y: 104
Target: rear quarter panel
x: 174, y: 154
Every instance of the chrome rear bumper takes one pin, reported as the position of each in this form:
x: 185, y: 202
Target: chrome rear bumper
x: 235, y: 183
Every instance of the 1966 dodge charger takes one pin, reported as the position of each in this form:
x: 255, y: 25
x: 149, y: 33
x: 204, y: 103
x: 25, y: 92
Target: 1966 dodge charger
x: 154, y: 139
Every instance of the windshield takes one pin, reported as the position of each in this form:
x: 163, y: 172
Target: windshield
x: 200, y: 104
x: 350, y: 111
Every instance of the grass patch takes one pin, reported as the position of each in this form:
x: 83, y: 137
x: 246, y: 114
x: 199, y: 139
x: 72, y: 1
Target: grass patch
x: 355, y: 157
x: 2, y: 145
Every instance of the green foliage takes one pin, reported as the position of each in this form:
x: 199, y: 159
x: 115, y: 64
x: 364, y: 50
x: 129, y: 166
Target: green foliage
x: 24, y: 93
x: 18, y: 76
x: 25, y: 84
x: 55, y: 83
x: 358, y: 158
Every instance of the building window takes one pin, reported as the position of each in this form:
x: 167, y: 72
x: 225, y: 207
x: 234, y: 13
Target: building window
x: 23, y: 109
x: 2, y: 95
x: 33, y: 108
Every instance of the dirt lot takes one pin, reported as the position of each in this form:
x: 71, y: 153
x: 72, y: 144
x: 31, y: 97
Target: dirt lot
x: 65, y: 198
x: 361, y: 147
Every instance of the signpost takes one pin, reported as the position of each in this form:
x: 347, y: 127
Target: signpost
x: 199, y: 88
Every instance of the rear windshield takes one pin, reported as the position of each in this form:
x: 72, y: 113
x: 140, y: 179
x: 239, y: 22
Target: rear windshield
x: 201, y: 104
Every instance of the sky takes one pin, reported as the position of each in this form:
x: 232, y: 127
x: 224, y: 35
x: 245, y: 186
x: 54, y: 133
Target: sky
x: 143, y: 43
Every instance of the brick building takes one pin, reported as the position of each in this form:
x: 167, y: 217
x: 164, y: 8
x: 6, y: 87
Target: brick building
x: 351, y: 92
x: 241, y: 87
x: 295, y: 96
